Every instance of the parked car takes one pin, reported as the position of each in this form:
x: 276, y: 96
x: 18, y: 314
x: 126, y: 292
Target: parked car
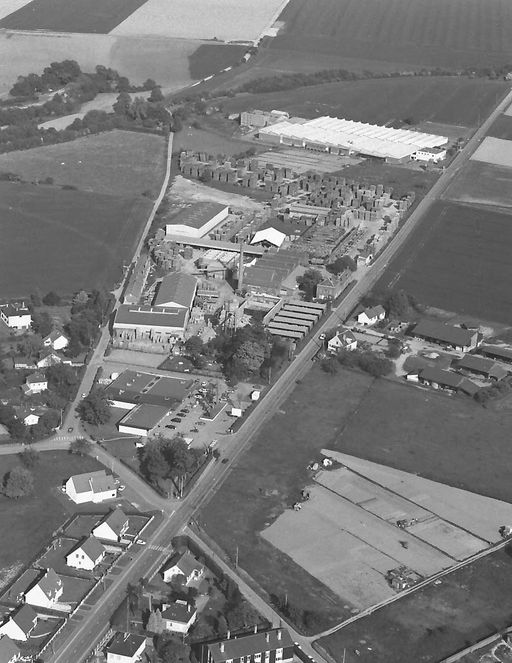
x: 171, y: 426
x: 121, y: 488
x: 176, y: 419
x: 201, y: 423
x: 194, y: 430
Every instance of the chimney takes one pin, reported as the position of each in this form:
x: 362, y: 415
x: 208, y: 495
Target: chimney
x: 255, y: 628
x: 279, y: 634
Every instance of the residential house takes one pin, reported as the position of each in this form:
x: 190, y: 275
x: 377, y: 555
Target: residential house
x: 86, y: 555
x: 125, y: 648
x: 46, y: 592
x: 9, y: 652
x: 16, y: 316
x: 112, y: 527
x: 184, y: 566
x: 371, y: 315
x: 91, y: 487
x: 274, y: 646
x: 332, y: 287
x: 48, y: 357
x: 56, y: 340
x: 343, y: 339
x: 447, y: 381
x: 441, y: 333
x: 364, y: 257
x: 487, y: 368
x: 35, y: 384
x: 19, y: 624
x: 21, y: 361
x: 30, y: 415
x: 178, y: 617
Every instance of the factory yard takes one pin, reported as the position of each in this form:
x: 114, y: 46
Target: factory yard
x: 347, y: 534
x: 184, y: 190
x: 302, y: 162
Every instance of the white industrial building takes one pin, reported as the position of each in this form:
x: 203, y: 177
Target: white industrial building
x: 336, y: 136
x: 197, y: 220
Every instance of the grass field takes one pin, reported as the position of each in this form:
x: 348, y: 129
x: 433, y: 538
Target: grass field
x: 483, y: 184
x: 436, y: 33
x: 458, y: 259
x: 117, y: 162
x: 65, y: 240
x: 28, y: 524
x: 431, y: 624
x: 450, y: 100
x: 502, y: 128
x: 95, y: 16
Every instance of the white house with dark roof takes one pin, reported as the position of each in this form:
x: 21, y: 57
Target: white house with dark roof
x: 178, y: 617
x: 35, y: 383
x: 125, y: 648
x: 16, y: 316
x: 56, y: 340
x: 91, y: 487
x: 9, y: 652
x: 274, y: 646
x: 343, y: 339
x: 112, y: 527
x: 46, y: 592
x: 182, y: 565
x: 86, y: 555
x: 371, y: 315
x: 19, y: 624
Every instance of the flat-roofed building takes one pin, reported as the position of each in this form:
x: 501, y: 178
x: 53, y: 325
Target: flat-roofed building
x: 443, y: 334
x: 142, y: 419
x: 133, y: 388
x: 197, y: 220
x: 137, y: 326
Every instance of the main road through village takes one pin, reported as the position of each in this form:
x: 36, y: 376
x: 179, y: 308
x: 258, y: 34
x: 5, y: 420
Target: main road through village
x: 177, y: 514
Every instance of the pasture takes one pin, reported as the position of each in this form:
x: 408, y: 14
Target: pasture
x: 224, y: 20
x: 482, y: 184
x: 458, y: 259
x: 65, y: 240
x: 94, y: 16
x: 448, y: 100
x: 451, y: 34
x: 121, y: 163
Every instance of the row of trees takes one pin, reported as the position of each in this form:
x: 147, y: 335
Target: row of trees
x: 166, y: 463
x: 374, y: 364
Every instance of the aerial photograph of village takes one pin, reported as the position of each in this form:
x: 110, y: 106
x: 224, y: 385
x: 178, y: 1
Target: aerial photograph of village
x: 255, y: 331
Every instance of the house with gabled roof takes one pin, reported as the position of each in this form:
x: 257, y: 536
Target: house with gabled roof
x: 56, y: 340
x: 46, y: 592
x: 16, y: 315
x: 179, y: 616
x: 343, y: 339
x: 177, y: 290
x: 112, y: 527
x: 86, y: 555
x: 91, y: 487
x: 48, y: 357
x: 273, y: 646
x: 371, y: 315
x: 441, y: 333
x: 182, y: 566
x: 125, y: 648
x: 35, y: 383
x: 19, y: 624
x: 9, y: 652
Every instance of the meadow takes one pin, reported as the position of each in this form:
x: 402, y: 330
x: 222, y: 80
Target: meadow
x: 116, y: 162
x: 458, y: 259
x: 449, y: 100
x: 65, y: 240
x: 452, y: 34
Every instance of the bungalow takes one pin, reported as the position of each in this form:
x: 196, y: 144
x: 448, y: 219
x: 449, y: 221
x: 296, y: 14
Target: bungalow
x: 16, y: 316
x: 183, y: 566
x: 125, y: 648
x: 21, y: 361
x: 48, y: 357
x: 371, y: 315
x: 46, y: 592
x: 440, y: 333
x: 112, y: 527
x: 86, y: 555
x: 344, y: 339
x: 35, y: 384
x: 274, y: 646
x: 19, y: 624
x: 30, y: 416
x: 56, y: 340
x: 9, y: 652
x: 487, y: 368
x: 452, y: 382
x: 91, y: 487
x: 178, y: 617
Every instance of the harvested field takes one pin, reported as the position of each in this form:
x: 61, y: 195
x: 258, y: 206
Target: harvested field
x: 10, y: 6
x: 429, y: 625
x: 448, y: 100
x: 95, y: 16
x: 482, y: 184
x: 495, y: 151
x: 164, y: 60
x: 458, y: 259
x: 120, y: 163
x: 226, y: 20
x: 437, y: 33
x: 67, y: 239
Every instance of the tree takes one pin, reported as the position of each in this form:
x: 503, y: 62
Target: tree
x: 29, y: 457
x: 250, y: 355
x: 156, y: 94
x: 155, y: 622
x: 149, y: 84
x: 30, y: 346
x: 63, y: 380
x: 330, y: 366
x: 80, y: 447
x: 341, y: 264
x: 19, y: 482
x: 41, y: 323
x: 194, y: 346
x: 94, y: 408
x: 398, y: 304
x: 51, y: 299
x: 173, y: 651
x: 308, y: 282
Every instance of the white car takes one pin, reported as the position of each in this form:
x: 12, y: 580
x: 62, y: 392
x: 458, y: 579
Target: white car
x: 121, y: 488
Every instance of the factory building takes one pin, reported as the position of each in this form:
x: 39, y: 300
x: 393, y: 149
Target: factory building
x: 197, y: 220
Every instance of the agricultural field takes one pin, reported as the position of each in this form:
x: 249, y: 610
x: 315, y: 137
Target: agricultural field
x: 495, y: 151
x: 458, y: 259
x: 10, y: 6
x: 225, y: 20
x: 448, y: 100
x: 120, y: 163
x: 482, y: 184
x: 66, y: 240
x: 452, y: 34
x: 502, y: 127
x: 208, y: 59
x: 95, y: 16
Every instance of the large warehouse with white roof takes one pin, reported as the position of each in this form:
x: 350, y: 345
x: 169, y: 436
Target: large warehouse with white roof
x: 330, y: 134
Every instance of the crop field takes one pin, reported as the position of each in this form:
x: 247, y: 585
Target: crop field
x: 482, y: 184
x: 496, y: 151
x: 94, y: 16
x: 224, y: 20
x: 433, y: 623
x: 458, y: 259
x: 9, y: 6
x: 121, y: 163
x: 502, y: 127
x: 436, y: 33
x: 210, y: 58
x: 65, y: 240
x: 449, y: 100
